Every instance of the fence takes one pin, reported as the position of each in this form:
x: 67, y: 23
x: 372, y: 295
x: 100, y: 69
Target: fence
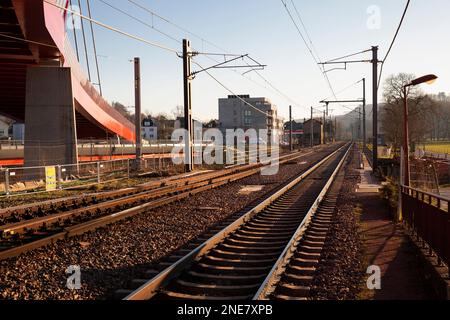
x: 427, y: 215
x: 25, y: 180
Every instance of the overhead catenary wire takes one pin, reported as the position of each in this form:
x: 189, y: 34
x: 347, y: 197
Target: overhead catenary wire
x: 315, y: 56
x: 84, y: 41
x: 108, y: 27
x: 316, y: 59
x: 306, y: 30
x: 151, y: 26
x: 209, y: 55
x: 344, y: 89
x: 94, y: 47
x: 228, y: 89
x: 195, y: 35
x: 28, y: 41
x: 74, y: 33
x: 349, y: 55
x: 393, y: 41
x: 153, y: 13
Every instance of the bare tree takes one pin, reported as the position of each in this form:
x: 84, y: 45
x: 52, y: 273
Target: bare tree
x: 123, y: 110
x: 178, y: 112
x: 421, y: 111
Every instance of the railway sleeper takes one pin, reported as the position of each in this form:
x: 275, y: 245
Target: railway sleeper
x: 183, y: 296
x: 301, y: 271
x: 304, y: 262
x: 293, y: 290
x: 274, y: 233
x: 242, y: 255
x: 244, y: 248
x: 301, y: 280
x: 238, y: 262
x: 261, y: 229
x: 229, y: 270
x: 253, y: 242
x: 208, y: 278
x: 213, y: 289
x: 239, y: 236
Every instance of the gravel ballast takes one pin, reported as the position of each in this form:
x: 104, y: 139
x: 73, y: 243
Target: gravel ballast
x: 112, y: 256
x: 340, y: 272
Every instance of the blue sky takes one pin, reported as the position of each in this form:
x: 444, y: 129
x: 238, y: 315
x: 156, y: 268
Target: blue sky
x: 263, y: 29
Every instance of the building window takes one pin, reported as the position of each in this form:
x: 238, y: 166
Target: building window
x: 247, y: 117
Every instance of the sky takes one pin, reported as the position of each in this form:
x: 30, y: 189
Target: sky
x: 264, y: 30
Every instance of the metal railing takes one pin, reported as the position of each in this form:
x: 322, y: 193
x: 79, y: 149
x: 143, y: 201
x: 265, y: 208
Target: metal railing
x: 427, y: 216
x: 27, y: 180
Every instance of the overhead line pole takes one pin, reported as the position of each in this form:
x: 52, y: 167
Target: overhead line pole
x: 291, y: 147
x: 375, y: 107
x: 375, y: 63
x: 312, y: 128
x: 364, y: 114
x: 359, y: 124
x: 187, y: 81
x: 137, y: 115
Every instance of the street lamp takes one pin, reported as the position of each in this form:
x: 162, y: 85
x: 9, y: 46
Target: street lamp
x: 425, y: 79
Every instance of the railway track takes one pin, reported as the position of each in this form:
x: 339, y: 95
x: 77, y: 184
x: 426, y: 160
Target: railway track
x: 28, y: 211
x: 240, y: 260
x: 48, y: 223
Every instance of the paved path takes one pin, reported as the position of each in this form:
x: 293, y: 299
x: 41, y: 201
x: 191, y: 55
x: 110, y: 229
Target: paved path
x: 387, y: 246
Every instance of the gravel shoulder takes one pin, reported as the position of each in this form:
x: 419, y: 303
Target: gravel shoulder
x: 340, y: 272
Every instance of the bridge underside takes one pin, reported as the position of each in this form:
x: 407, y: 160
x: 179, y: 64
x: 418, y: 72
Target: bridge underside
x: 32, y: 36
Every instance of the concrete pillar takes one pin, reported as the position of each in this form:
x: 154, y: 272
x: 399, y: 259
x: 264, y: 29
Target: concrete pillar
x: 50, y: 123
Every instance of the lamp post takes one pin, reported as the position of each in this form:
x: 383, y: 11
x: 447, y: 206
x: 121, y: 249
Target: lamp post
x: 425, y: 79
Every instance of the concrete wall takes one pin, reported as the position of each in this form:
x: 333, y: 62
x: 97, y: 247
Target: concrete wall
x: 50, y: 134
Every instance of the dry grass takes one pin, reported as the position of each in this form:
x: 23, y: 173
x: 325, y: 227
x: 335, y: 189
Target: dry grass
x: 437, y: 147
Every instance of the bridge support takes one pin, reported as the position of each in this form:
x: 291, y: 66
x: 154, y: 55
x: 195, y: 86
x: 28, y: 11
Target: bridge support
x: 50, y: 123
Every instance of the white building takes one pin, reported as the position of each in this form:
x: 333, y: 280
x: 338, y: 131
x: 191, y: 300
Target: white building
x: 149, y: 130
x: 5, y: 123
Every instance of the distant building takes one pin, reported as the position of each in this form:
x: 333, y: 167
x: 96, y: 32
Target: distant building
x: 149, y: 130
x: 5, y: 123
x: 254, y: 113
x: 211, y: 124
x: 165, y: 127
x: 18, y: 131
x: 318, y: 132
x: 197, y: 127
x: 297, y: 132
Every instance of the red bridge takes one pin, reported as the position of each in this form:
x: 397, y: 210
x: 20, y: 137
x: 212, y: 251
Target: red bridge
x: 42, y: 84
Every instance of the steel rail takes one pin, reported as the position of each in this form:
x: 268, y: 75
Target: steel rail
x: 233, y: 175
x: 149, y: 289
x: 274, y: 276
x: 185, y: 179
